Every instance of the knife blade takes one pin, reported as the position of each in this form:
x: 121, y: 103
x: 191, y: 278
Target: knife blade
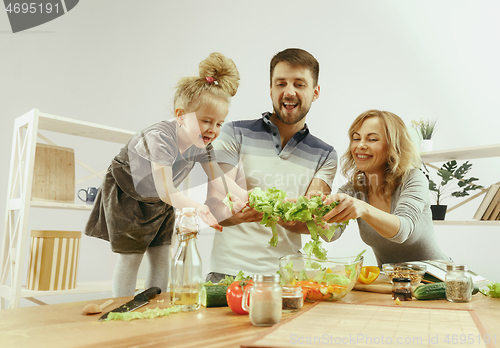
x: 138, y: 301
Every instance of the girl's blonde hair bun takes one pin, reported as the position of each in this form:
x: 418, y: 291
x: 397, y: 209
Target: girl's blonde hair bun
x: 218, y: 75
x: 223, y: 70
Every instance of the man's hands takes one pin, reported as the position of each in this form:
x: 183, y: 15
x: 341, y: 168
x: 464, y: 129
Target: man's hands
x: 242, y: 213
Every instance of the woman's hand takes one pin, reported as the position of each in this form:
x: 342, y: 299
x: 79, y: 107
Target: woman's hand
x: 313, y: 193
x: 207, y: 217
x: 348, y: 208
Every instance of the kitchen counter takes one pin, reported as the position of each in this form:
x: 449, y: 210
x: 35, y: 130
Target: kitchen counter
x: 63, y: 325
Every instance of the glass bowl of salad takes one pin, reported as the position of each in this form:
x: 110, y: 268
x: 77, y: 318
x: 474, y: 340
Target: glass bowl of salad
x: 325, y: 280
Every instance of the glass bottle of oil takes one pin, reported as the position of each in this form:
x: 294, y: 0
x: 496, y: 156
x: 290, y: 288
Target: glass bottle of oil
x: 186, y: 277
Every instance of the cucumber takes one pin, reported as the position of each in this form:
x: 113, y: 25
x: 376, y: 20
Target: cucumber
x: 213, y: 295
x: 434, y: 291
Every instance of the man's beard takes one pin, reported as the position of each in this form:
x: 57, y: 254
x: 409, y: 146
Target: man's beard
x: 294, y: 119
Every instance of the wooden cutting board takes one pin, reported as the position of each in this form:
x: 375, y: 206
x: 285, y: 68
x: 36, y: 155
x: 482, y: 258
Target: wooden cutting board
x: 347, y: 325
x: 382, y: 285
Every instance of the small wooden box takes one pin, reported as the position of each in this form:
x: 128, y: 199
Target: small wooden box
x: 54, y: 174
x: 53, y: 260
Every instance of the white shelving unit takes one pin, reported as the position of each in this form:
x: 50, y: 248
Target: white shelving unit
x: 16, y: 234
x: 465, y: 153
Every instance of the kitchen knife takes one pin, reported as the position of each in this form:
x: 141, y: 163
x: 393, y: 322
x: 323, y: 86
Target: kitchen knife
x: 138, y: 301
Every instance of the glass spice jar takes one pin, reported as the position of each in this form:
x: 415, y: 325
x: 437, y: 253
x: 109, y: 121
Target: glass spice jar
x: 401, y: 289
x: 265, y: 300
x: 459, y: 284
x: 293, y: 298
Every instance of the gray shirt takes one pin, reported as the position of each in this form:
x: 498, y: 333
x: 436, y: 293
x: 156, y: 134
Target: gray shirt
x: 159, y: 143
x: 415, y: 240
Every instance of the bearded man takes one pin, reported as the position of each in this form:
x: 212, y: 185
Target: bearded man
x: 276, y: 150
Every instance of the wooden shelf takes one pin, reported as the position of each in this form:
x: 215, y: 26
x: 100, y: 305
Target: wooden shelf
x: 16, y: 234
x: 54, y: 205
x: 464, y: 153
x: 81, y: 288
x: 467, y: 223
x: 83, y: 129
x: 461, y: 154
x: 16, y: 204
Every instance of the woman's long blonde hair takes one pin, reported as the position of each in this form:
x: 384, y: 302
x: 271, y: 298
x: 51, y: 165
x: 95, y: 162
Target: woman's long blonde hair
x: 402, y: 154
x: 218, y: 81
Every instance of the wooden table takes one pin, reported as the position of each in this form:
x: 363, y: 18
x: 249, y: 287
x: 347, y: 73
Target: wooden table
x: 63, y: 325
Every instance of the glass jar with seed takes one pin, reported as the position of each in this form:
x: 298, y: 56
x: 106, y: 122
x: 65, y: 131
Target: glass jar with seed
x: 458, y: 284
x: 401, y: 289
x: 292, y: 298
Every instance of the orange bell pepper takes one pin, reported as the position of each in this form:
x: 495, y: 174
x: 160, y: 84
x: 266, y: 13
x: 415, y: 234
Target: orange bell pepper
x: 368, y: 274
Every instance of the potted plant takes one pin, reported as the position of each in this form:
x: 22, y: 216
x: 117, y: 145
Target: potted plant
x: 425, y: 130
x: 450, y: 173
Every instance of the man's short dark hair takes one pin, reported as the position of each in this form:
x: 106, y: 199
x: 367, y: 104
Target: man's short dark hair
x: 297, y: 57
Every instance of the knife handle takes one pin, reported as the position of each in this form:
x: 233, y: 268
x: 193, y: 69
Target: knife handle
x: 148, y: 294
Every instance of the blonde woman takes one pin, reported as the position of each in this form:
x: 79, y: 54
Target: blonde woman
x: 386, y: 192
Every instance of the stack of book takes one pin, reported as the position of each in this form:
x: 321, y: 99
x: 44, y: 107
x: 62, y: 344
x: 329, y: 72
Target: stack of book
x: 489, y: 209
x: 436, y: 272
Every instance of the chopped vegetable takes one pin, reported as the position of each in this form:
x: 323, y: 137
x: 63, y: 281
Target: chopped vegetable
x: 147, y: 314
x: 322, y: 291
x: 228, y: 280
x: 314, y: 247
x: 368, y: 274
x: 351, y: 269
x: 228, y: 202
x: 213, y: 295
x: 494, y: 290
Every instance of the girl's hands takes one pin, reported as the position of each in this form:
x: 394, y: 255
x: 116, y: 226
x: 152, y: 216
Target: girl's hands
x: 349, y: 208
x: 238, y: 204
x: 207, y: 217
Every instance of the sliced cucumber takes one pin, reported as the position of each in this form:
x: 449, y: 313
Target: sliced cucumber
x: 213, y: 295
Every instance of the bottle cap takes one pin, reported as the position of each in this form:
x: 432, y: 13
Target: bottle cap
x: 266, y: 278
x: 456, y: 268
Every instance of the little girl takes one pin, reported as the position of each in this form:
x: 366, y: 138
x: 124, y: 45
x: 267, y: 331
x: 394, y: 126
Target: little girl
x: 134, y: 209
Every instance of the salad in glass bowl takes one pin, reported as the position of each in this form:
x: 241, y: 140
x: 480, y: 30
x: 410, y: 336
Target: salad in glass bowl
x: 325, y: 280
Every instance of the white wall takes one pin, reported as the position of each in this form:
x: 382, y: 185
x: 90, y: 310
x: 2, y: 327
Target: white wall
x: 116, y: 63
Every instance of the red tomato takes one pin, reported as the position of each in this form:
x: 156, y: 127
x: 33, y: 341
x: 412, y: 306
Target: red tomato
x: 234, y: 295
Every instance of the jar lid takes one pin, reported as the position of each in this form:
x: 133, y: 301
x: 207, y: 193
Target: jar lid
x: 266, y: 278
x: 188, y: 210
x: 456, y: 267
x: 292, y: 290
x: 401, y: 280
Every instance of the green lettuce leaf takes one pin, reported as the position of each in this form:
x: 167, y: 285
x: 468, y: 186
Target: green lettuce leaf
x: 493, y: 290
x: 311, y: 211
x: 147, y: 314
x: 335, y: 279
x: 228, y: 202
